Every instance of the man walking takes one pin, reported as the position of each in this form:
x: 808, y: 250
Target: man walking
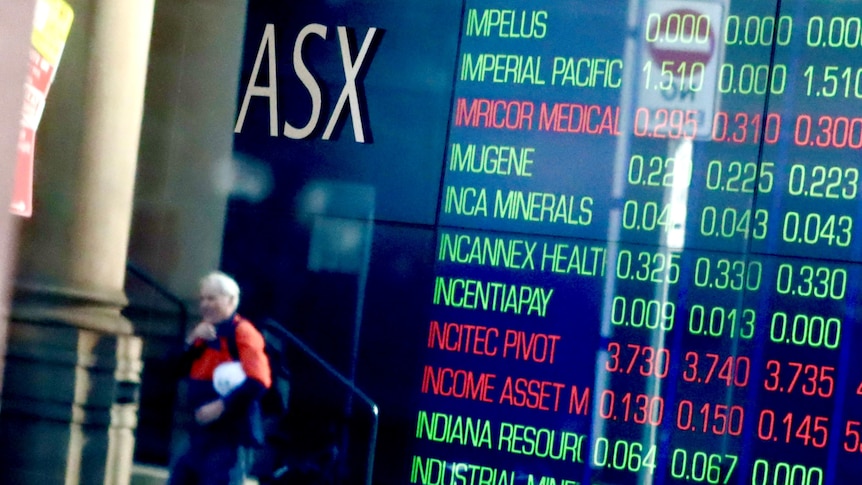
x: 228, y: 372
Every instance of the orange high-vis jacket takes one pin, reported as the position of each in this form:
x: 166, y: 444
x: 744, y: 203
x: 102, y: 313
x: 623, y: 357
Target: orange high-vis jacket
x: 252, y: 356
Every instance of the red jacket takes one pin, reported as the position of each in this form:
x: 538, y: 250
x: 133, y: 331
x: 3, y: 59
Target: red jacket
x: 250, y: 345
x: 241, y: 421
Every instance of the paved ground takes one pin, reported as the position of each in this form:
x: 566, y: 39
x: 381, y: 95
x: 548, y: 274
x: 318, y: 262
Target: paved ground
x: 153, y: 475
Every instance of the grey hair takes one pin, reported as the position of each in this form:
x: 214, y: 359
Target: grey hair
x: 223, y: 283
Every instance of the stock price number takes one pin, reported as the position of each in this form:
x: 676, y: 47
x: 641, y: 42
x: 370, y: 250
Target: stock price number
x: 711, y: 367
x: 809, y: 379
x: 637, y: 359
x: 811, y: 281
x: 636, y: 408
x: 666, y: 123
x: 643, y: 313
x: 623, y: 455
x: 683, y: 76
x: 783, y: 473
x: 745, y: 127
x: 730, y: 222
x: 853, y: 437
x: 648, y: 266
x: 700, y: 466
x: 815, y: 331
x: 728, y: 274
x: 720, y: 322
x: 678, y: 28
x: 757, y: 31
x: 659, y: 171
x: 807, y: 429
x: 673, y: 31
x: 821, y: 182
x: 829, y: 132
x: 834, y: 80
x: 717, y: 419
x: 812, y: 228
x: 645, y: 216
x: 739, y: 177
x: 752, y: 79
x: 838, y: 32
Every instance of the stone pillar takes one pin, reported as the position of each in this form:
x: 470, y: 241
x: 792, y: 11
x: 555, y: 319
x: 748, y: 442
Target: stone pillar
x: 73, y: 362
x: 181, y: 198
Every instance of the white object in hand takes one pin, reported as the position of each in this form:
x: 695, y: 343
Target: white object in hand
x: 227, y: 377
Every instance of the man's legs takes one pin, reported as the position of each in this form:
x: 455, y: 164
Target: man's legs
x: 183, y: 471
x: 212, y: 464
x: 223, y: 465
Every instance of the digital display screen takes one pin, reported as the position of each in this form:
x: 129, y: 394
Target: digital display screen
x: 631, y: 254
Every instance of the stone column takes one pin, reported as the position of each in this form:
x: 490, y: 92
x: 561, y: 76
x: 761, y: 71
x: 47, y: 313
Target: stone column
x: 73, y: 362
x: 181, y: 198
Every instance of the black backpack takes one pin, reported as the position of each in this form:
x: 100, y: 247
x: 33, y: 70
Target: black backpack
x: 273, y: 404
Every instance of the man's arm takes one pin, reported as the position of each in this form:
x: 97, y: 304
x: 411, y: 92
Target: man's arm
x: 192, y: 348
x: 236, y: 402
x: 255, y: 363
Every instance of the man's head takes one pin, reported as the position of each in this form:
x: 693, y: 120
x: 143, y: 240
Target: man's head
x: 219, y: 297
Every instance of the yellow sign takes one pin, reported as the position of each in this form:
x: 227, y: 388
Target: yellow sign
x: 51, y: 24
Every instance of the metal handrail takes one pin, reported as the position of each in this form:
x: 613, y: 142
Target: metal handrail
x: 277, y: 328
x: 142, y: 275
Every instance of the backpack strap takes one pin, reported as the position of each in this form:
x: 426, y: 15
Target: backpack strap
x: 230, y: 338
x: 253, y: 436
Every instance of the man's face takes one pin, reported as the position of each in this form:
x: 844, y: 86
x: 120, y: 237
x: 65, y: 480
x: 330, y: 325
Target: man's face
x: 214, y: 305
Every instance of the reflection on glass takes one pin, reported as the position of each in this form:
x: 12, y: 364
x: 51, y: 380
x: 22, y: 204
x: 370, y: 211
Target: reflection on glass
x: 644, y: 269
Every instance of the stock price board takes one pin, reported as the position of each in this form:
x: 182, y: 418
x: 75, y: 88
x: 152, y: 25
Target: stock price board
x: 645, y: 214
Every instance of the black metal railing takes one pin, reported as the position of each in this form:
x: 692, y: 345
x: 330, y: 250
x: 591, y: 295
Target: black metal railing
x: 277, y: 330
x: 164, y: 292
x: 160, y: 318
x: 273, y: 330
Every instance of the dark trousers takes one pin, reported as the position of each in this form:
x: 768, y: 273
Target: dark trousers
x: 213, y: 463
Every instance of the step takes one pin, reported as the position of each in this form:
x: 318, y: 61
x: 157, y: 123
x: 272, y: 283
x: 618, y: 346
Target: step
x: 155, y: 475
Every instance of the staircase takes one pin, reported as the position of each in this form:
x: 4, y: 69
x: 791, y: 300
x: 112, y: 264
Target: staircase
x: 326, y: 438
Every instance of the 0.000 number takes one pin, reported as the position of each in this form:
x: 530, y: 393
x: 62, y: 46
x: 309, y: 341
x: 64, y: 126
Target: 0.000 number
x: 809, y: 330
x: 757, y: 30
x: 783, y: 473
x: 841, y: 32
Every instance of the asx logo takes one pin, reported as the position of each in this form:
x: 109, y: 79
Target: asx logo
x: 351, y: 94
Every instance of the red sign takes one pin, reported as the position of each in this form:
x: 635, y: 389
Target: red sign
x: 51, y: 23
x: 35, y: 92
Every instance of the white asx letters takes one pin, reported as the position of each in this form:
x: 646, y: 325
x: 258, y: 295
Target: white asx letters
x: 349, y: 93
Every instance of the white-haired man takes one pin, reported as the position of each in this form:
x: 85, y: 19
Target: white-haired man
x: 226, y: 419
